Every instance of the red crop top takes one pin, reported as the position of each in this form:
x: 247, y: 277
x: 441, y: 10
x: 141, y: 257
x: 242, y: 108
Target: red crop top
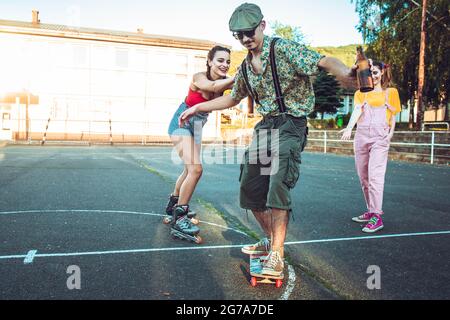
x: 194, y: 97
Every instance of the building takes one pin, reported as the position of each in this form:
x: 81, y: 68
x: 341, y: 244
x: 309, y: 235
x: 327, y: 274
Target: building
x: 348, y: 105
x: 93, y: 84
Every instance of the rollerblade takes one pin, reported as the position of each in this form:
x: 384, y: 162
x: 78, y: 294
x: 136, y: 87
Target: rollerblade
x: 173, y: 200
x: 182, y: 227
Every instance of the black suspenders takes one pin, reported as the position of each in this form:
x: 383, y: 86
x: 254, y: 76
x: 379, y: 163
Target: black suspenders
x: 276, y: 82
x: 252, y: 93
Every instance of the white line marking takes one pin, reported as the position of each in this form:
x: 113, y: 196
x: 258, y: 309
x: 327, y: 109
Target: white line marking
x: 371, y: 237
x: 290, y: 284
x: 115, y: 211
x: 30, y: 257
x: 291, y: 278
x: 218, y: 246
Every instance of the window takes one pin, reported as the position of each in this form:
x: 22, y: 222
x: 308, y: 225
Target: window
x: 5, y: 121
x: 122, y: 58
x: 79, y: 56
x: 180, y: 64
x: 199, y: 64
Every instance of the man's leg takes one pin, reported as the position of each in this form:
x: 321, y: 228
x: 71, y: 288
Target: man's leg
x: 265, y: 221
x: 280, y: 221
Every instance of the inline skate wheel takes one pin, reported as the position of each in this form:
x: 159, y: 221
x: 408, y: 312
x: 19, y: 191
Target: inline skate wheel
x: 198, y: 239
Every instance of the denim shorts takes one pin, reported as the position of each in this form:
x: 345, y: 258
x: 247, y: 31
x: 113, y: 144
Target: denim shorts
x: 193, y: 127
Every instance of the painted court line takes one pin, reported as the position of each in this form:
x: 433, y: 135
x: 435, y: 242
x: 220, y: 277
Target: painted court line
x: 398, y: 235
x: 30, y: 257
x: 290, y: 284
x: 68, y: 254
x: 115, y: 211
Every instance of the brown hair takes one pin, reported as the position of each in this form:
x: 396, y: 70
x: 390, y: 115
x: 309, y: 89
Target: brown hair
x: 211, y: 55
x: 387, y: 76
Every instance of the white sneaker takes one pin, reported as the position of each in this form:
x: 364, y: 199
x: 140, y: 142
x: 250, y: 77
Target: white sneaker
x: 262, y: 247
x: 274, y: 265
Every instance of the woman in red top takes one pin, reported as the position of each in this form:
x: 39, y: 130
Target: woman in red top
x: 187, y: 139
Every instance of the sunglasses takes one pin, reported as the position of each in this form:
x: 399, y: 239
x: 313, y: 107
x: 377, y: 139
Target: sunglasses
x: 240, y: 34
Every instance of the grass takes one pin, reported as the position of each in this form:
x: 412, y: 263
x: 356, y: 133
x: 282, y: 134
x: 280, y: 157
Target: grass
x: 230, y: 220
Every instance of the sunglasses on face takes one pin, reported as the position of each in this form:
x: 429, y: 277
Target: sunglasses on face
x: 239, y: 35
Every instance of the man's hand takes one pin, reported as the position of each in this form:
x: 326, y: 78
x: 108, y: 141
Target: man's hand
x: 349, y: 81
x: 345, y: 75
x: 186, y: 115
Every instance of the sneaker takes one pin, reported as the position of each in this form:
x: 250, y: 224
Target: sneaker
x: 374, y: 224
x: 365, y: 217
x: 274, y: 265
x: 262, y: 247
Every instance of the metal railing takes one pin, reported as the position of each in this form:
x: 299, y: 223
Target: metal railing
x: 432, y: 144
x: 425, y: 124
x: 429, y: 146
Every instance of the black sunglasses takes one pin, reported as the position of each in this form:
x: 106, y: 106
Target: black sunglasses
x: 239, y: 35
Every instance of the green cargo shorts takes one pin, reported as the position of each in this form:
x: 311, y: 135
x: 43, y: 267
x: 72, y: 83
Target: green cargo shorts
x: 270, y: 167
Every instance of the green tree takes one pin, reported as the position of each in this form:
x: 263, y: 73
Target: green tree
x: 288, y: 32
x: 391, y: 30
x: 328, y: 94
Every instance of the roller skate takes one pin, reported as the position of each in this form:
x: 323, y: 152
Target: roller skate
x: 182, y: 227
x: 173, y: 200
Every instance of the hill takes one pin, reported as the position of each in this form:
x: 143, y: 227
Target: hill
x: 346, y: 54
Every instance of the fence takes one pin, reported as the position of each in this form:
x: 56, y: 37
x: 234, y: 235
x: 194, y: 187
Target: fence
x: 425, y: 146
x: 109, y: 131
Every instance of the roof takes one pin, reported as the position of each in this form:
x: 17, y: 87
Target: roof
x: 70, y: 32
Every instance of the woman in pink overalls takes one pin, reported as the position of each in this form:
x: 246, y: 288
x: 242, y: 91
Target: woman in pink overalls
x: 374, y: 113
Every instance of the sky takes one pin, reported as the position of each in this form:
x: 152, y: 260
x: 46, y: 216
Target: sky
x: 324, y: 22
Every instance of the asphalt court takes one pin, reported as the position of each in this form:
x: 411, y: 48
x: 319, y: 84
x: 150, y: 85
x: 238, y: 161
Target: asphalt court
x: 100, y: 208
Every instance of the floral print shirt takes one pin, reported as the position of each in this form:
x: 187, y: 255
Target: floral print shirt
x: 295, y: 65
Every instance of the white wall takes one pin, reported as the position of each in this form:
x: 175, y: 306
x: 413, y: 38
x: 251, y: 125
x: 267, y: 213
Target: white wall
x: 79, y: 81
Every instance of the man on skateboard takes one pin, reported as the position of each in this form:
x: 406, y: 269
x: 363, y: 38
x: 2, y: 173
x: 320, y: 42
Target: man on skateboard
x: 280, y: 85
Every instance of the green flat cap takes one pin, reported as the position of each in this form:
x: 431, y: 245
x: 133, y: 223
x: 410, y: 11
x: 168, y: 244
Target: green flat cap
x: 246, y: 17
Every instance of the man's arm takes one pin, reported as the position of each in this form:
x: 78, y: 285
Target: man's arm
x: 220, y: 103
x: 344, y: 74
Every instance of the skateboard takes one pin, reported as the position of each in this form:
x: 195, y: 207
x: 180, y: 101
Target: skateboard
x: 256, y: 261
x: 183, y: 236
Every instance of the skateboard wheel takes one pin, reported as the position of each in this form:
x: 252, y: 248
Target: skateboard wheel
x: 198, y: 239
x: 253, y: 282
x: 278, y: 283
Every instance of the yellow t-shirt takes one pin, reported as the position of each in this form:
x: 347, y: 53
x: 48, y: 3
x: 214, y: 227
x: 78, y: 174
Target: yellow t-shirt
x: 377, y: 99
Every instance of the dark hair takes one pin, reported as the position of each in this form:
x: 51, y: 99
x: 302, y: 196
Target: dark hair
x: 211, y: 55
x: 386, y: 78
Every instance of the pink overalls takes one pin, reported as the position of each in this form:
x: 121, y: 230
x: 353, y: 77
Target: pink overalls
x: 371, y: 147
